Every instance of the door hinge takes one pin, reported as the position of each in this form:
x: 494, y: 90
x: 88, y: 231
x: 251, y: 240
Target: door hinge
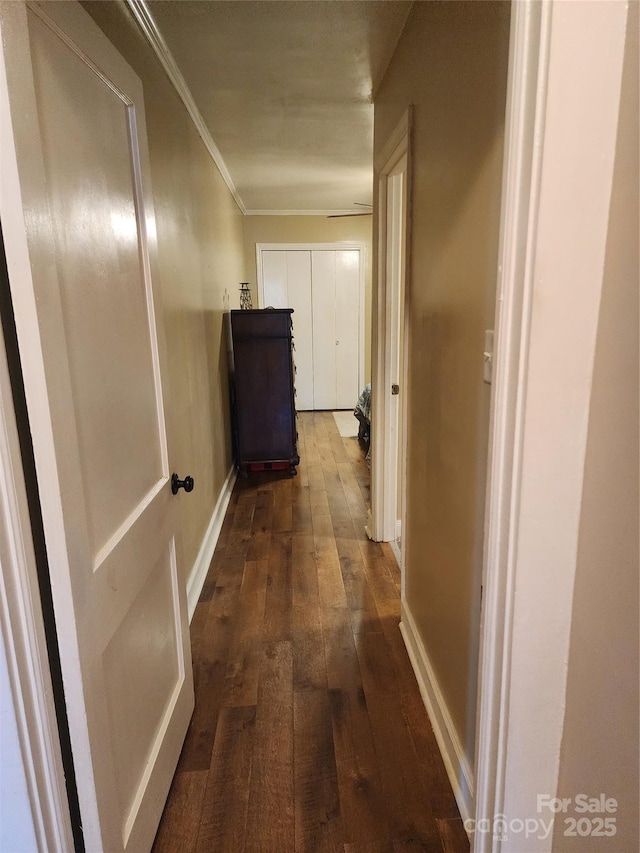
x: 487, y: 356
x: 395, y: 389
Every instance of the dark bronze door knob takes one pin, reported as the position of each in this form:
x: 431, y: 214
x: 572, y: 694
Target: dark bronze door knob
x: 176, y: 484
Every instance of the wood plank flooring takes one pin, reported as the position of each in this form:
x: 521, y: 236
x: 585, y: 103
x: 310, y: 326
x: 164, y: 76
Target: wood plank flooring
x: 309, y: 732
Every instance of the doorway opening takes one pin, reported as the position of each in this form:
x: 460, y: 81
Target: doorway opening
x: 387, y: 520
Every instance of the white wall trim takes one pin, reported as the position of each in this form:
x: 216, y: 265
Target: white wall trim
x: 140, y: 11
x: 198, y: 573
x: 528, y: 61
x: 396, y: 548
x: 398, y: 135
x: 27, y: 659
x: 348, y: 211
x: 542, y: 364
x: 457, y: 764
x: 21, y: 618
x: 396, y: 551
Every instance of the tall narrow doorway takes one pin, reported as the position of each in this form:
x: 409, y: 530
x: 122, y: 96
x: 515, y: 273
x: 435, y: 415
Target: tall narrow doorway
x: 389, y: 433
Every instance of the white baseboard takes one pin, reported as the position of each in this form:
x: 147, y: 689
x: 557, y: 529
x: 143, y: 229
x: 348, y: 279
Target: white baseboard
x: 368, y: 527
x: 397, y: 553
x: 202, y: 562
x: 455, y: 761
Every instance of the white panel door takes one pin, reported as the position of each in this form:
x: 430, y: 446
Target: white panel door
x: 286, y: 283
x: 336, y: 328
x: 347, y: 327
x: 299, y: 290
x: 75, y: 203
x: 274, y: 280
x: 395, y: 273
x: 323, y: 264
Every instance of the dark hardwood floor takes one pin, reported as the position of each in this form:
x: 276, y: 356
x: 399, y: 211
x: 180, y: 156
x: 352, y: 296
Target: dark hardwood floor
x: 309, y: 732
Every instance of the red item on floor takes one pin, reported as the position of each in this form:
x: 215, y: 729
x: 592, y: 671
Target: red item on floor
x: 267, y: 466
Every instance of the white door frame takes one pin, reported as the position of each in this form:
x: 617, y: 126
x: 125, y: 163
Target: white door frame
x: 25, y: 644
x: 321, y: 247
x: 553, y: 137
x: 382, y: 523
x: 20, y: 604
x: 397, y: 307
x: 524, y: 132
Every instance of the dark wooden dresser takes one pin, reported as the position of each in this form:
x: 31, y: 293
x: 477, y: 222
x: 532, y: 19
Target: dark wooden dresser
x: 263, y: 390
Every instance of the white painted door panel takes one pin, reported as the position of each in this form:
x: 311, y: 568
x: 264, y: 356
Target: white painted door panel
x: 347, y: 327
x: 324, y: 340
x: 286, y: 283
x: 81, y: 267
x: 299, y: 290
x: 274, y: 277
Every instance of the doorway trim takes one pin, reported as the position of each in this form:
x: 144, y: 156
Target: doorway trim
x: 321, y: 247
x: 25, y: 643
x: 483, y: 793
x: 23, y: 629
x: 523, y: 150
x: 382, y: 521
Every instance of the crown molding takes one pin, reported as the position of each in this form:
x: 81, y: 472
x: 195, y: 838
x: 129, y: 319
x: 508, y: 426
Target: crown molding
x: 346, y: 212
x: 144, y: 19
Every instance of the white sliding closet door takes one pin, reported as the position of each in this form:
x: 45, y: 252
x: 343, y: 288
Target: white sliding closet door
x: 336, y: 328
x: 347, y: 327
x: 323, y: 266
x: 274, y: 273
x: 323, y: 288
x: 287, y: 284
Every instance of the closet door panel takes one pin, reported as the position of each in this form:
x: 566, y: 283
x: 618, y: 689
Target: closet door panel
x: 323, y: 265
x: 347, y: 327
x: 274, y: 279
x: 299, y: 291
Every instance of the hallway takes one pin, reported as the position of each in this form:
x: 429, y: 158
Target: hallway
x: 309, y: 731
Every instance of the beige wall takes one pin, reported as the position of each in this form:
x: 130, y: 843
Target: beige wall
x: 200, y: 240
x: 600, y: 745
x: 311, y: 229
x: 451, y: 64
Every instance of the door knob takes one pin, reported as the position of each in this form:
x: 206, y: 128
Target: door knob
x: 176, y: 484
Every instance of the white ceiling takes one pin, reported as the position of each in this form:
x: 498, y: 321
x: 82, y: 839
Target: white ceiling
x: 284, y: 88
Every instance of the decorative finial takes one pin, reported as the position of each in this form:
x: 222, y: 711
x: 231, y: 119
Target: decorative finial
x: 245, y: 296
